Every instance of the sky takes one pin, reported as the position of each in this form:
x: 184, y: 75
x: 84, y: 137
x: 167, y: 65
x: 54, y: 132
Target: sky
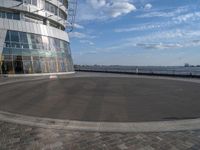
x: 136, y: 32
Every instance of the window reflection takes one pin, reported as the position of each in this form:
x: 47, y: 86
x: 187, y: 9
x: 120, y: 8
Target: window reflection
x: 31, y: 53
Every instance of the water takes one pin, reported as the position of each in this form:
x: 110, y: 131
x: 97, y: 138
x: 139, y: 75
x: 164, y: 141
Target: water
x: 175, y: 70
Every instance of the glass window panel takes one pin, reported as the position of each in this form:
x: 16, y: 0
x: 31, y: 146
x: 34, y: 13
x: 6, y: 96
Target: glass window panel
x: 16, y: 51
x: 35, y: 58
x: 62, y: 14
x: 36, y: 66
x: 7, y: 36
x: 7, y: 51
x: 29, y: 41
x: 3, y: 15
x: 27, y: 1
x: 15, y: 39
x: 65, y: 3
x: 23, y: 40
x: 7, y: 67
x: 44, y: 66
x: 36, y: 41
x: 16, y: 16
x: 23, y: 37
x: 9, y: 15
x: 57, y: 44
x: 27, y: 58
x: 51, y: 8
x: 7, y: 57
x: 27, y: 67
x: 17, y: 58
x: 63, y: 68
x: 45, y: 41
x: 18, y: 65
x: 34, y: 2
x: 34, y: 53
x: 7, y: 40
x: 52, y: 44
x: 52, y: 66
x: 26, y: 52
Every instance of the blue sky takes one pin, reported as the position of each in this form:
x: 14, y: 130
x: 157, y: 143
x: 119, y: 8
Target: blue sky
x: 137, y: 32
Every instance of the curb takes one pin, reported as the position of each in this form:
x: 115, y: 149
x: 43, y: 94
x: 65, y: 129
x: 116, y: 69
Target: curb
x: 123, y: 127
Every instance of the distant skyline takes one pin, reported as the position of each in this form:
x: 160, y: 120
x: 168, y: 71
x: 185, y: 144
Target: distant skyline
x: 137, y: 32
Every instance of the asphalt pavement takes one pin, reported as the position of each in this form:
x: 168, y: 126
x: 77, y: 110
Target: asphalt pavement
x: 103, y: 98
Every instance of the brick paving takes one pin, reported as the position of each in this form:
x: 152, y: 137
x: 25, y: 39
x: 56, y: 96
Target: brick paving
x: 20, y: 137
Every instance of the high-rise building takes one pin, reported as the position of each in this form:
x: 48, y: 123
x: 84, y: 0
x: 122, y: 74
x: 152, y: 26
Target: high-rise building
x: 33, y: 37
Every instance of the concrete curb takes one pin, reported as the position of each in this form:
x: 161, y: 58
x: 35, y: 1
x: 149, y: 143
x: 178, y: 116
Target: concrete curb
x: 37, y: 75
x: 22, y: 80
x: 160, y: 126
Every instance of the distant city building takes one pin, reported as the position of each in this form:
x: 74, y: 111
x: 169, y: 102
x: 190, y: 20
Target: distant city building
x: 33, y: 38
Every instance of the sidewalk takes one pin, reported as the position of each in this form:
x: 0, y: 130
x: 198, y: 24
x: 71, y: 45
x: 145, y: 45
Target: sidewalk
x: 21, y: 137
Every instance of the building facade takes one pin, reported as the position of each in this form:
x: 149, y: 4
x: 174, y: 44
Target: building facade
x: 33, y: 39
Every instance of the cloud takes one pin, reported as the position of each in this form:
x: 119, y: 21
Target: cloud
x: 164, y: 13
x: 140, y: 27
x: 78, y: 26
x: 78, y: 35
x: 97, y: 3
x: 117, y: 9
x: 169, y: 39
x: 104, y: 9
x: 86, y: 42
x: 82, y: 37
x: 148, y: 6
x: 187, y: 43
x: 167, y: 35
x: 88, y: 52
x: 187, y: 17
x: 158, y: 45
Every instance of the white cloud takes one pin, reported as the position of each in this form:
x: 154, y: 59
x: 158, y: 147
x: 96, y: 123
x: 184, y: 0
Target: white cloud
x: 88, y: 52
x: 158, y: 45
x: 81, y: 35
x: 104, y: 9
x: 78, y: 35
x: 170, y: 39
x: 97, y: 3
x: 78, y: 26
x: 117, y: 9
x: 187, y: 17
x: 140, y: 27
x: 164, y: 13
x: 87, y: 42
x: 148, y: 6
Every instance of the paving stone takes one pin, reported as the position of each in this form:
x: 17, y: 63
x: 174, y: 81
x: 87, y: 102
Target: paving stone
x: 19, y: 137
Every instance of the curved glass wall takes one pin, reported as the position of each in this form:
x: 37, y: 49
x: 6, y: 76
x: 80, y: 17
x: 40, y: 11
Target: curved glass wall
x: 26, y: 53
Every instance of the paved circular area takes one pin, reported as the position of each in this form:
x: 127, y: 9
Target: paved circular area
x: 110, y: 99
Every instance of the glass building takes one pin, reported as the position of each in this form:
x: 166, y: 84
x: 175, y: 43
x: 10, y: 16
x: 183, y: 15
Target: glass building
x: 33, y: 38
